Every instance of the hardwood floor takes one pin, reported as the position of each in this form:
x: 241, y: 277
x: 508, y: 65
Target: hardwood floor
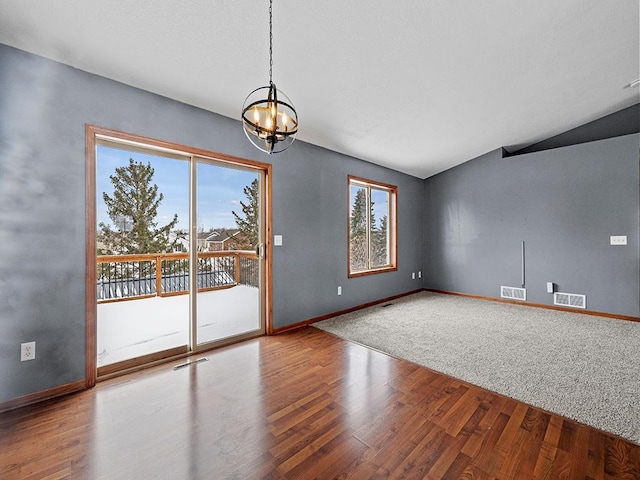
x: 301, y: 405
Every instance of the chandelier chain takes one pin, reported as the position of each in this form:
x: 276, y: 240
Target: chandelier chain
x: 270, y: 42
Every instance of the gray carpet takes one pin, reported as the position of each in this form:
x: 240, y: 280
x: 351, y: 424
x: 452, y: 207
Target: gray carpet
x: 582, y: 367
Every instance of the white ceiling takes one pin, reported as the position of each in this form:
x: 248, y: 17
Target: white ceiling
x: 418, y: 86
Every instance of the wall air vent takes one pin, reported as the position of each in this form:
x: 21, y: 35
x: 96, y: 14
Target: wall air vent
x: 570, y: 300
x: 513, y: 293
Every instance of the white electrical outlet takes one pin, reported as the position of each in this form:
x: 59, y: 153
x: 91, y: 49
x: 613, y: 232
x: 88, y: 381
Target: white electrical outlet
x: 618, y: 239
x: 27, y: 351
x: 339, y: 290
x: 550, y: 288
x: 413, y: 275
x: 277, y: 240
x: 420, y: 274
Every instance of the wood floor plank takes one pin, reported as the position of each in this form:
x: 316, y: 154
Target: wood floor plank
x: 394, y: 456
x: 494, y: 405
x: 310, y: 448
x: 521, y: 455
x: 621, y: 459
x: 536, y: 422
x: 472, y: 472
x: 419, y: 461
x: 444, y: 460
x: 503, y: 445
x: 580, y: 452
x: 595, y: 462
x: 457, y: 468
x: 301, y: 405
x: 561, y: 466
x: 459, y: 414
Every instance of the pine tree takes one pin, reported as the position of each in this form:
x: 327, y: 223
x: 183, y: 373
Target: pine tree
x: 249, y: 226
x: 133, y: 210
x: 380, y: 255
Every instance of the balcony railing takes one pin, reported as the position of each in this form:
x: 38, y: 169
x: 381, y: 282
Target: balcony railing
x: 128, y: 277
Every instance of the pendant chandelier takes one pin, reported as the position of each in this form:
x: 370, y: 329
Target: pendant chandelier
x: 269, y: 118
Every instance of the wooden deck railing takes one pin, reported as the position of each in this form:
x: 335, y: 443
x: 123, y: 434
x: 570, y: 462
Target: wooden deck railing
x: 129, y: 277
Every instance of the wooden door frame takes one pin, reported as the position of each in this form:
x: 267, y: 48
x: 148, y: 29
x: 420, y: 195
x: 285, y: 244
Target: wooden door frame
x: 93, y: 133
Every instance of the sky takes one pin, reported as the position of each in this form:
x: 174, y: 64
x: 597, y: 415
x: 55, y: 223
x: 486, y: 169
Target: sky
x: 220, y: 189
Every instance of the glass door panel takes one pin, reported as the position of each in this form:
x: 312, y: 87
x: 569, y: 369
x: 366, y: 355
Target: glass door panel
x: 142, y: 209
x: 229, y: 224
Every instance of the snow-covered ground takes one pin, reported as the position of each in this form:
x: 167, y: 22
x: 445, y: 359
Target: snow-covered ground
x: 132, y: 328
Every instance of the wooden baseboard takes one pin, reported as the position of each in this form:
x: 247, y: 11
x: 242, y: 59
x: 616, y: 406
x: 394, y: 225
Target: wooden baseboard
x: 43, y: 395
x: 539, y: 305
x: 304, y: 323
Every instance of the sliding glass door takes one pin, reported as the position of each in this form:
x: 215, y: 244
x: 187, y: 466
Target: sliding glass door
x: 179, y: 252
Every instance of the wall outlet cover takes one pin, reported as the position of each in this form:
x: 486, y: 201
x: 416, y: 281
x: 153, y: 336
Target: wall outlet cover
x: 618, y: 239
x: 27, y: 351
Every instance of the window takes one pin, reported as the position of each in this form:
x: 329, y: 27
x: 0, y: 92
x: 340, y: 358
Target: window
x: 372, y: 227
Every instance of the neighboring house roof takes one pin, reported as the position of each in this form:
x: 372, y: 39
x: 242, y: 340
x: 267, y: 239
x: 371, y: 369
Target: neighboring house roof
x: 222, y: 235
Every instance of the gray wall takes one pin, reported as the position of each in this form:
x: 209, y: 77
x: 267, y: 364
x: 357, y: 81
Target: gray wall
x: 564, y: 203
x: 44, y: 107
